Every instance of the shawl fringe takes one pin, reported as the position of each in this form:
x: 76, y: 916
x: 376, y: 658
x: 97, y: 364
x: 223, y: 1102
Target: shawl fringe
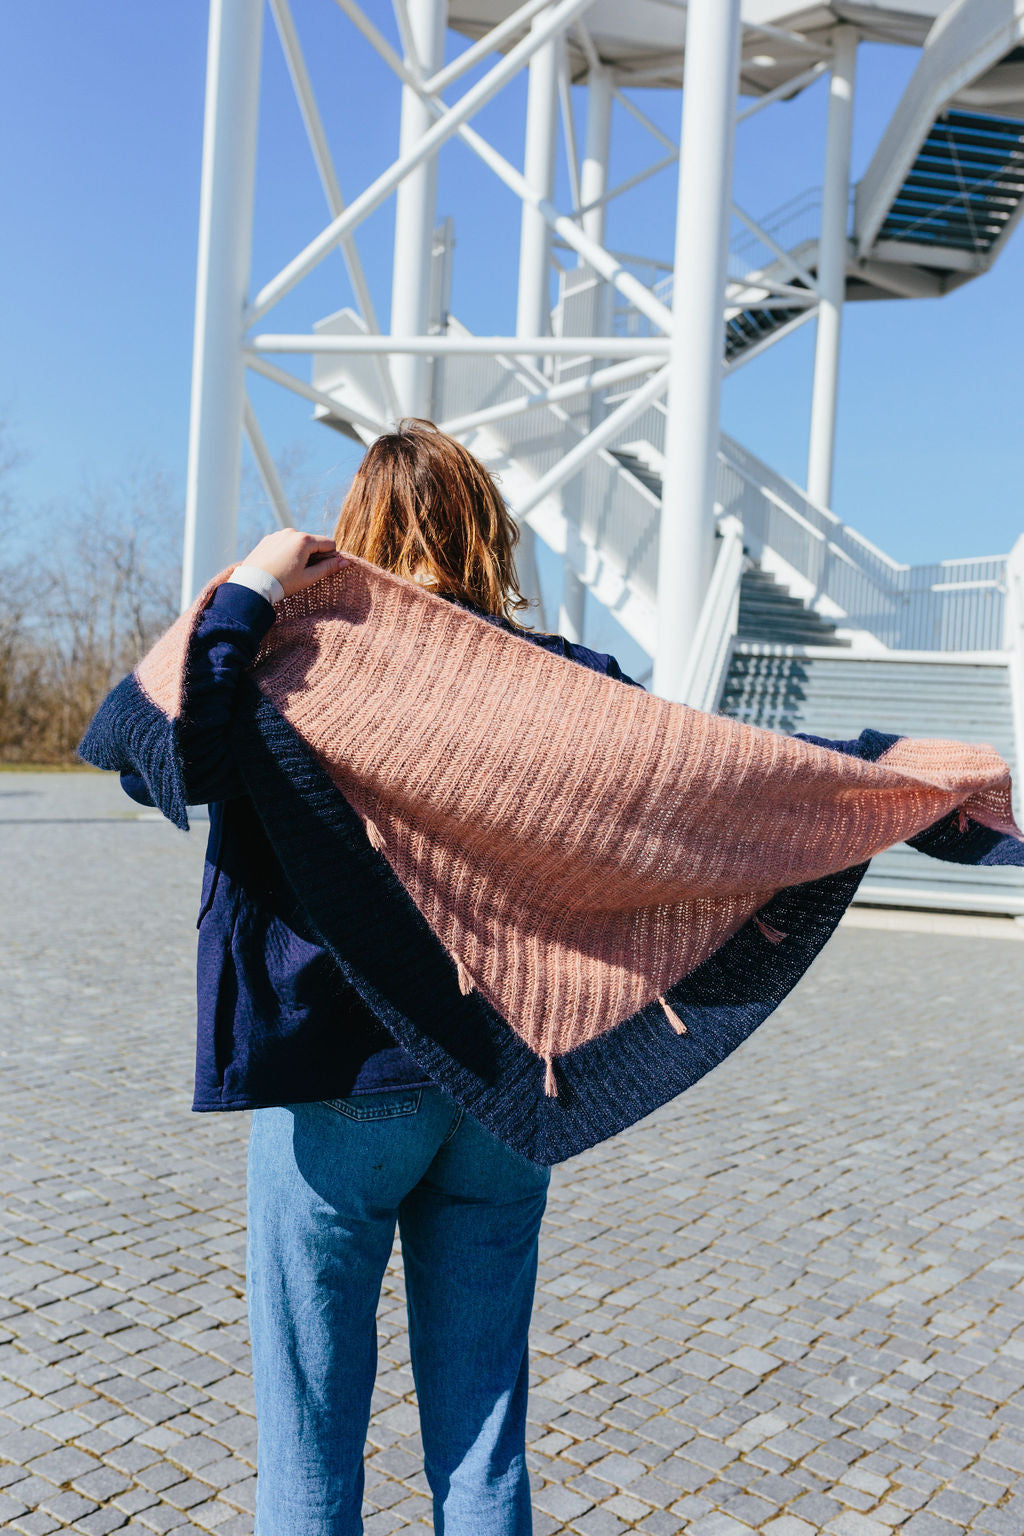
x: 673, y: 1017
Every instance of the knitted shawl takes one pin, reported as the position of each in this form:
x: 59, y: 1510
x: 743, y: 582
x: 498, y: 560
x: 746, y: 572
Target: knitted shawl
x: 568, y: 899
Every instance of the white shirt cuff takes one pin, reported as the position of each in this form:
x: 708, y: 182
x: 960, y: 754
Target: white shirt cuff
x: 258, y: 580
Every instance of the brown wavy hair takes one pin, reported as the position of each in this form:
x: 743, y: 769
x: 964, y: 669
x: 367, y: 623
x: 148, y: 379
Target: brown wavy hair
x: 423, y: 506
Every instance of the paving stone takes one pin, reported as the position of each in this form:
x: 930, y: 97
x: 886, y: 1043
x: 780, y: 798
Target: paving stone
x: 564, y: 1503
x: 20, y: 1445
x: 852, y: 1524
x: 930, y: 1525
x: 785, y: 1303
x: 598, y: 1522
x: 67, y: 1506
x: 10, y: 1508
x: 101, y: 1521
x: 35, y: 1523
x: 62, y: 1464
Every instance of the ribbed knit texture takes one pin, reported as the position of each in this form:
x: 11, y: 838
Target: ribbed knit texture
x: 577, y: 847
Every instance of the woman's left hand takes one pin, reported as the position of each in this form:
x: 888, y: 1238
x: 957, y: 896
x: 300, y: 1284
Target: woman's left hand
x: 296, y: 559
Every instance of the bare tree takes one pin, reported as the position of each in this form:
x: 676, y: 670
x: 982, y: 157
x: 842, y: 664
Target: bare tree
x: 85, y: 598
x: 81, y: 608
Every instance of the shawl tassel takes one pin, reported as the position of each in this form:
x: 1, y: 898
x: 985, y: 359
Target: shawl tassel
x: 673, y: 1017
x: 773, y: 935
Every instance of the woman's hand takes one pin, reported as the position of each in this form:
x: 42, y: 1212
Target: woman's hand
x: 296, y: 559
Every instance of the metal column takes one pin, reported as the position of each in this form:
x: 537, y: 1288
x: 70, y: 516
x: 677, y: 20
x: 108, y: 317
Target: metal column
x: 832, y: 254
x: 692, y: 428
x: 225, y: 233
x: 533, y: 310
x: 593, y: 185
x: 416, y: 201
x: 594, y: 170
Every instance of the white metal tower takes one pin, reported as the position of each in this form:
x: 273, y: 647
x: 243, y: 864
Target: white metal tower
x: 620, y: 376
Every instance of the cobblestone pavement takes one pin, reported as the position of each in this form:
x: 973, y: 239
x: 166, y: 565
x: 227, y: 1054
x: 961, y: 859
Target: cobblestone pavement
x: 793, y: 1301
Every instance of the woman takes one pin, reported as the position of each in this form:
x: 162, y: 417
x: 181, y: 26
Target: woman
x: 570, y: 900
x: 349, y: 1137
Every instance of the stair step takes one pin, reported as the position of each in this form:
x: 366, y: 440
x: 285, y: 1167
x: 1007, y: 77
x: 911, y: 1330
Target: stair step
x: 797, y: 618
x: 768, y: 611
x: 640, y: 471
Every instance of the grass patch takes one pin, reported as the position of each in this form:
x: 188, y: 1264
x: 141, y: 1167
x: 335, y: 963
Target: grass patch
x: 49, y: 768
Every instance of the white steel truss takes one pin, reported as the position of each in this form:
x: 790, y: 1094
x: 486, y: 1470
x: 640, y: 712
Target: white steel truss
x: 679, y: 358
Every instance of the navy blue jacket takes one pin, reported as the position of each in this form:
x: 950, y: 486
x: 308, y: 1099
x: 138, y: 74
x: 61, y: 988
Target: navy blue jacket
x: 277, y: 1023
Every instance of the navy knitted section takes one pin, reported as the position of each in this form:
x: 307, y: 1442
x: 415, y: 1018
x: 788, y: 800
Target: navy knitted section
x: 130, y: 734
x: 869, y: 744
x: 387, y: 951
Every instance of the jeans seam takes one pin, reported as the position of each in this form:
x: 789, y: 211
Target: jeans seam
x: 459, y: 1113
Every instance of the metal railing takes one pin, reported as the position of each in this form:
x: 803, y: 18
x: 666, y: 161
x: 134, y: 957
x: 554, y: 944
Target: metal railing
x: 792, y: 225
x: 716, y: 627
x: 949, y: 605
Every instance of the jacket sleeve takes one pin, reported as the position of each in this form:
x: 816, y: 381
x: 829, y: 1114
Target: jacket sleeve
x: 173, y: 763
x: 222, y: 648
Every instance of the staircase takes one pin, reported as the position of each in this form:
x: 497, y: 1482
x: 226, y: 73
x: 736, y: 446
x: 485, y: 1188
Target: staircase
x: 752, y: 327
x: 962, y: 191
x: 639, y: 469
x: 837, y: 696
x: 769, y: 612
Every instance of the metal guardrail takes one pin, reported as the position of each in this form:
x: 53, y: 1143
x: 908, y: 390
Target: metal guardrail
x: 950, y: 605
x: 716, y: 628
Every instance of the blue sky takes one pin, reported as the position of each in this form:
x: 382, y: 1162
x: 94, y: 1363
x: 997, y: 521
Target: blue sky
x: 101, y: 109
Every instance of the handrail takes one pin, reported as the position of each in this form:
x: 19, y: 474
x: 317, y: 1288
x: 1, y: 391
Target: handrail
x: 716, y: 627
x: 814, y: 514
x: 944, y: 605
x: 938, y: 606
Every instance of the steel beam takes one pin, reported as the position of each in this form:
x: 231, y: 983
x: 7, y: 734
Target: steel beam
x: 225, y: 238
x: 832, y: 258
x: 415, y: 208
x: 695, y: 361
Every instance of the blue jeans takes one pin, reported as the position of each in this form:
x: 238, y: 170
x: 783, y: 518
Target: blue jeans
x: 327, y: 1184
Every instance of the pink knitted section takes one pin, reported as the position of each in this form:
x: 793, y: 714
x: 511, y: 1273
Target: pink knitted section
x: 161, y: 672
x: 576, y: 845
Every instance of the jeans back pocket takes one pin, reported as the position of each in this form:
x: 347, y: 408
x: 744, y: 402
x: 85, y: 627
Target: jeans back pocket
x: 386, y: 1105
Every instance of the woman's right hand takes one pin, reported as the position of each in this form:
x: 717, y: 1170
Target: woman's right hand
x: 296, y: 559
